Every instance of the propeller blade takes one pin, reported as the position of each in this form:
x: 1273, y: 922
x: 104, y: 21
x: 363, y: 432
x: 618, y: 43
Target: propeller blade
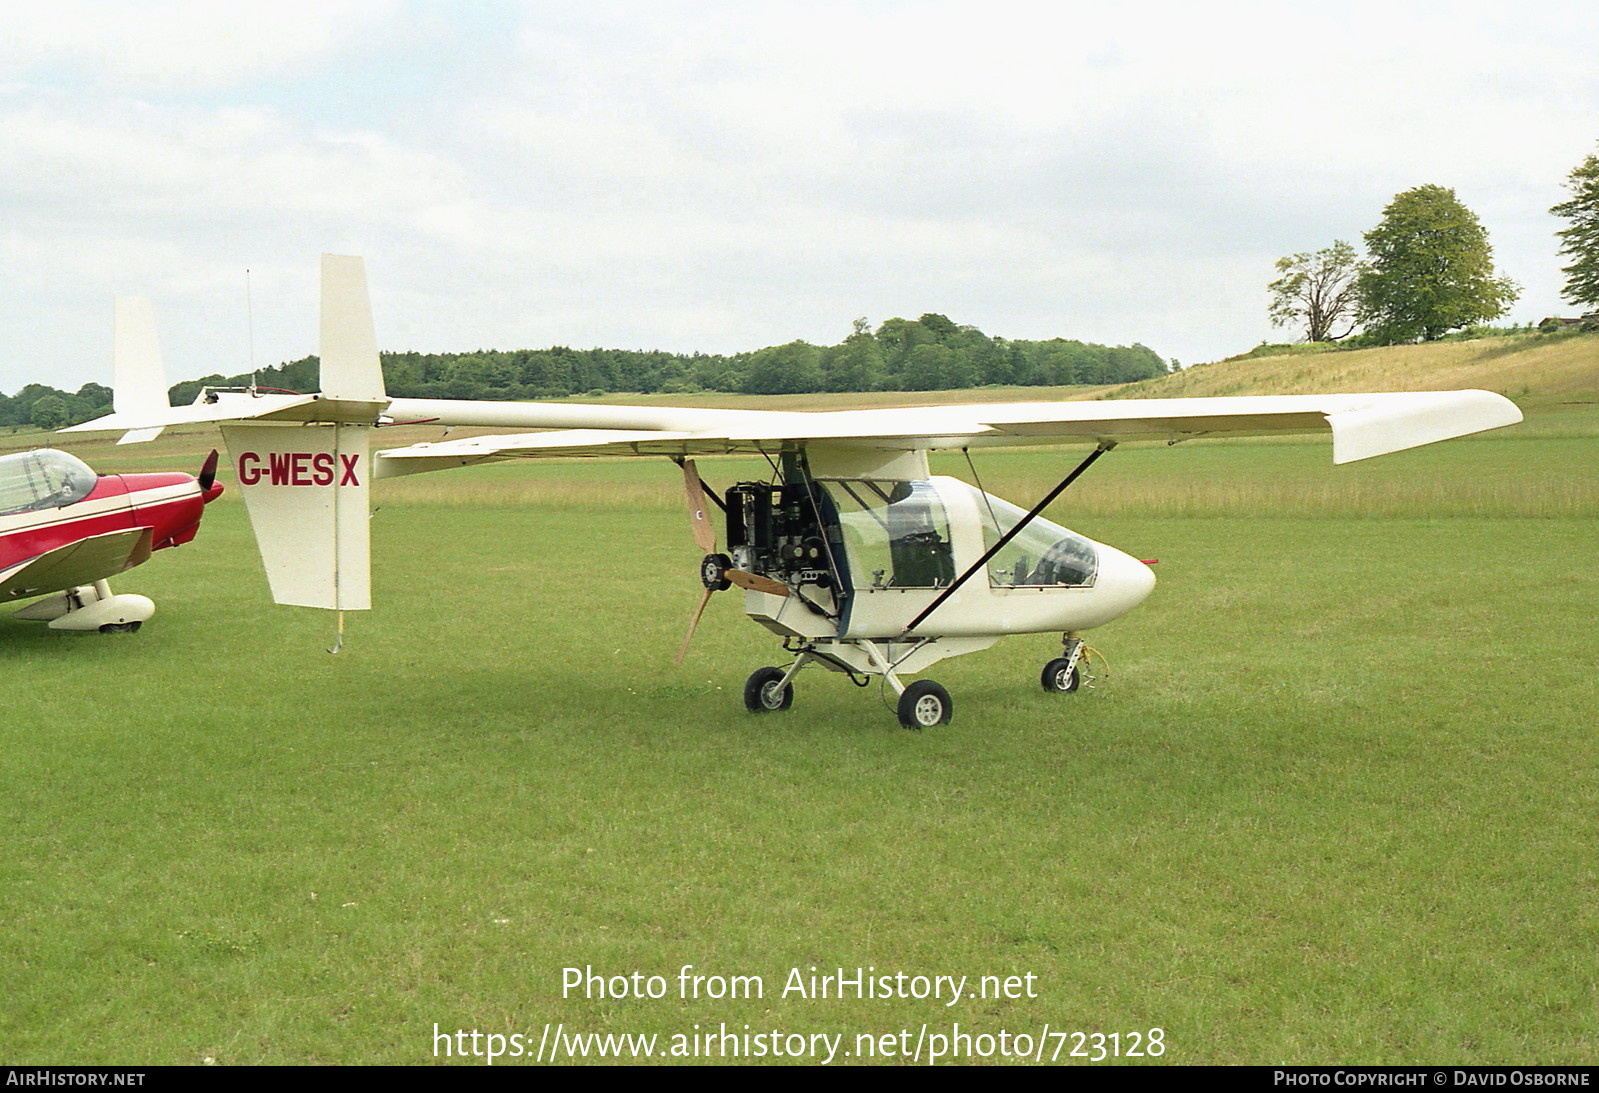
x: 704, y: 530
x: 693, y: 624
x: 756, y: 583
x: 208, y: 472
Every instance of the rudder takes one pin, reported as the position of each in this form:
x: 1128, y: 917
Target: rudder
x: 305, y: 488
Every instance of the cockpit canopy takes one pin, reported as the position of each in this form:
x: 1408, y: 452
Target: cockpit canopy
x: 42, y: 479
x: 896, y: 534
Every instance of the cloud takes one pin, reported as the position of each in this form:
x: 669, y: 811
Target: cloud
x: 182, y: 43
x: 720, y: 176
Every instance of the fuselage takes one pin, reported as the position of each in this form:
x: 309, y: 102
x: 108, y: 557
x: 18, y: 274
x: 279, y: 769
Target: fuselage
x: 877, y: 552
x: 60, y: 502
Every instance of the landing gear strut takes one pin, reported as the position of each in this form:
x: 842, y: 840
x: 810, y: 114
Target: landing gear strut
x: 920, y: 705
x: 1063, y: 675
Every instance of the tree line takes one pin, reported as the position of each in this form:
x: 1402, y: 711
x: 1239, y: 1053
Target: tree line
x: 1428, y: 269
x: 926, y: 354
x: 51, y: 408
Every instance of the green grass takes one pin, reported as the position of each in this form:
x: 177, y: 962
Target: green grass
x: 1335, y: 802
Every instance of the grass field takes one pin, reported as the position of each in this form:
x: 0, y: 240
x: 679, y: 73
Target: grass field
x: 1336, y: 801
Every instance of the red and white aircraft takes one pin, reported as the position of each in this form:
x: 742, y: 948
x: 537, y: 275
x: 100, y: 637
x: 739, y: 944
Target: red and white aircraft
x: 862, y: 561
x: 65, y: 529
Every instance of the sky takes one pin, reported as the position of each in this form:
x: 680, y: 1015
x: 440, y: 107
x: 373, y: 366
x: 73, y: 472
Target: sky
x: 714, y: 177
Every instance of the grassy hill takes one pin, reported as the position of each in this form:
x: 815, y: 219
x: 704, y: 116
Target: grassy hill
x: 1539, y: 369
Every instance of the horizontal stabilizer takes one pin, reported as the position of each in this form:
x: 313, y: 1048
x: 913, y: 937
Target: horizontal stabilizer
x: 239, y: 406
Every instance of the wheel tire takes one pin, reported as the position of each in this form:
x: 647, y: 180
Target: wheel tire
x: 121, y: 628
x: 923, y: 705
x: 1060, y: 677
x: 762, y: 694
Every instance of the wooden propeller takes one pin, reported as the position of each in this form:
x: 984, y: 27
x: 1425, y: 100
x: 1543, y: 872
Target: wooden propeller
x: 716, y: 570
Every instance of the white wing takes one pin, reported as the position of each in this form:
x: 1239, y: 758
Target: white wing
x: 1362, y: 426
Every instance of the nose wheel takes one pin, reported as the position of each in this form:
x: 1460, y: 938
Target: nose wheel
x: 1060, y: 677
x: 1064, y: 674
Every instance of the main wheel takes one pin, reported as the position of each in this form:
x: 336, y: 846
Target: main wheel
x: 120, y: 628
x: 1060, y: 676
x: 762, y: 693
x: 923, y: 705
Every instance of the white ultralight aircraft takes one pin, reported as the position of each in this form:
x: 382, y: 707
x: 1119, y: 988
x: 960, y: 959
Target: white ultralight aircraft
x: 862, y: 561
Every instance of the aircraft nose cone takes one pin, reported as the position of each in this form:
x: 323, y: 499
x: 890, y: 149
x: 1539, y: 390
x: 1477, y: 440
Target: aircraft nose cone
x: 1124, y: 578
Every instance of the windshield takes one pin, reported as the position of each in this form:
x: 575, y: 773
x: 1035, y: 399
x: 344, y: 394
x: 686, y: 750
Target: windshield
x: 42, y: 479
x: 1043, y: 554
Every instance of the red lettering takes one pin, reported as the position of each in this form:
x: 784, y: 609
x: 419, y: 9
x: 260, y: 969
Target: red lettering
x: 299, y: 469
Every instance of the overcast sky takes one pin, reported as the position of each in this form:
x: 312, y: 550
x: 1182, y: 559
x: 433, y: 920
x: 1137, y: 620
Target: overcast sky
x: 723, y: 176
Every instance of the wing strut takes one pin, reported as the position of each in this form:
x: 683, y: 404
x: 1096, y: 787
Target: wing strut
x: 1104, y: 446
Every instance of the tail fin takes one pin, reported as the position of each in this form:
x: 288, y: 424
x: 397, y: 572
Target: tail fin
x: 350, y: 366
x: 305, y: 486
x: 306, y: 491
x: 138, y: 381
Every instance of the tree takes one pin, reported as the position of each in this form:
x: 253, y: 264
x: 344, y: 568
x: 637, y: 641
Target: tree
x: 898, y: 337
x: 50, y: 412
x: 1581, y: 240
x: 95, y: 394
x: 855, y: 365
x: 784, y: 370
x: 1317, y: 290
x: 1430, y: 271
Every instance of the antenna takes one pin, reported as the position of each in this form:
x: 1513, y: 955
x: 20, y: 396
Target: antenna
x: 249, y: 324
